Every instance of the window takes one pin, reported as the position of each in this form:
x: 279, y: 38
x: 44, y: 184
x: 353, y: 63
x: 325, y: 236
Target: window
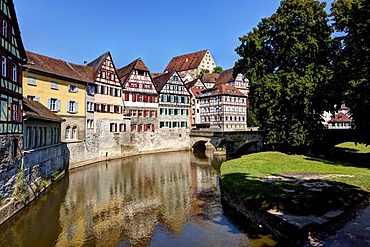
x: 3, y: 67
x: 72, y: 89
x: 112, y: 77
x: 15, y: 112
x: 103, y: 74
x: 104, y: 90
x: 90, y: 89
x: 104, y: 107
x: 122, y: 127
x: 98, y: 89
x: 54, y: 85
x: 113, y: 127
x: 133, y: 113
x: 90, y: 123
x: 54, y: 104
x: 5, y: 29
x: 68, y: 133
x: 14, y: 72
x: 74, y: 132
x: 90, y: 106
x: 72, y: 106
x: 112, y: 91
x: 118, y: 92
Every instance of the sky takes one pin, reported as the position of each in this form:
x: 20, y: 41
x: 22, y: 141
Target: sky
x: 155, y: 31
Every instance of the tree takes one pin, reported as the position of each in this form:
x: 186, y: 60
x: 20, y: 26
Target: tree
x: 203, y: 71
x: 286, y: 58
x: 352, y: 61
x: 217, y: 70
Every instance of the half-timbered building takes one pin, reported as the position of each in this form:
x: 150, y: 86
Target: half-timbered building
x: 195, y: 87
x: 174, y: 101
x: 140, y: 97
x: 12, y: 55
x: 224, y: 107
x: 239, y: 81
x: 106, y: 105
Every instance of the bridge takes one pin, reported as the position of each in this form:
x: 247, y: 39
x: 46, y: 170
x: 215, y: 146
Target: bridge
x: 233, y: 142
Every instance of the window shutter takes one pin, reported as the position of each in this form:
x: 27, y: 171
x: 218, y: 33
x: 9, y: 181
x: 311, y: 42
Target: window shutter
x: 9, y: 31
x: 58, y: 105
x: 76, y: 107
x: 111, y: 127
x: 108, y: 108
x: 150, y: 113
x: 156, y: 114
x: 68, y: 106
x: 19, y: 74
x: 19, y: 113
x: 153, y: 127
x: 134, y: 97
x: 145, y: 127
x: 9, y: 68
x: 126, y: 96
x: 144, y: 113
x: 11, y: 111
x: 49, y: 104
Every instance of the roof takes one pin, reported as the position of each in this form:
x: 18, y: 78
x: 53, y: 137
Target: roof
x: 222, y: 89
x: 161, y: 80
x: 138, y: 64
x: 186, y: 61
x: 340, y: 118
x: 343, y: 107
x: 196, y: 91
x: 154, y: 75
x: 36, y: 110
x: 210, y: 77
x: 97, y: 64
x: 192, y: 83
x: 58, y: 67
x: 225, y: 77
x: 17, y: 31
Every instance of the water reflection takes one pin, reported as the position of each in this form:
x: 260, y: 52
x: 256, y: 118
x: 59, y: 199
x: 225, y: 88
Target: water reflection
x: 159, y: 200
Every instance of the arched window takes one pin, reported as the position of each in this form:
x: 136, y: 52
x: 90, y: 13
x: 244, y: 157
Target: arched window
x: 74, y: 132
x: 68, y: 132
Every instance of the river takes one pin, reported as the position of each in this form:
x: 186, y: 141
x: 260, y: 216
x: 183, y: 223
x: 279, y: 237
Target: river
x: 168, y: 199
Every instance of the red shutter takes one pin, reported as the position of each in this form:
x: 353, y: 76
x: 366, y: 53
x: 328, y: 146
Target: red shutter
x: 132, y: 127
x: 124, y: 127
x: 19, y: 74
x: 150, y: 113
x: 108, y: 108
x: 155, y: 113
x: 145, y: 127
x: 134, y: 97
x: 19, y: 114
x: 144, y: 113
x: 127, y: 96
x: 153, y: 127
x: 9, y: 31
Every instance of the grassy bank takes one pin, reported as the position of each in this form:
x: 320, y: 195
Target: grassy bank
x: 296, y: 184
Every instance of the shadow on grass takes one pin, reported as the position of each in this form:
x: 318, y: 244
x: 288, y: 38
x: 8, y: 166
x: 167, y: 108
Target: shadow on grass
x: 344, y: 157
x: 294, y: 196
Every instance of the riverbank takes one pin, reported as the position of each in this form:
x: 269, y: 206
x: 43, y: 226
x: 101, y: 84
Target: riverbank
x: 297, y: 197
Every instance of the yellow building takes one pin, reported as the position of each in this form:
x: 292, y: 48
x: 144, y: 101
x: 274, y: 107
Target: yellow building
x: 60, y: 86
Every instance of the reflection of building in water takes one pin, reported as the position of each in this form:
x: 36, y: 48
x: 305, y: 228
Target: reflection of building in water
x: 126, y: 200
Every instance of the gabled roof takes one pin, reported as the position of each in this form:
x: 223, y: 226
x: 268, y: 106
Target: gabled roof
x: 340, y: 118
x: 191, y: 84
x: 222, y: 89
x: 196, y: 91
x: 138, y: 64
x: 58, y: 67
x: 225, y: 77
x: 154, y: 75
x: 97, y: 64
x: 210, y: 77
x: 186, y: 61
x: 36, y: 110
x: 18, y: 37
x: 161, y: 80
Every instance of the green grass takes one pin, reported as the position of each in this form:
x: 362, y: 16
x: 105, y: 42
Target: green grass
x: 353, y: 147
x: 246, y: 175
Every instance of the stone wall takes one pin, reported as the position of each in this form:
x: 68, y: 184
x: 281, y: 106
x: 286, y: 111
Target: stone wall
x: 103, y: 144
x: 28, y: 179
x: 9, y: 166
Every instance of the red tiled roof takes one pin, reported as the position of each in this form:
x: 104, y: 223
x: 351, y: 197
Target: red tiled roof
x: 186, y: 62
x: 154, y: 75
x: 161, y: 80
x: 210, y: 77
x: 58, y: 67
x: 225, y: 77
x: 343, y: 107
x: 196, y: 91
x: 138, y: 64
x: 34, y: 109
x: 97, y: 64
x: 222, y: 89
x: 340, y: 118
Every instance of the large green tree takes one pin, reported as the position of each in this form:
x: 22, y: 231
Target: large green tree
x: 286, y: 58
x: 352, y: 62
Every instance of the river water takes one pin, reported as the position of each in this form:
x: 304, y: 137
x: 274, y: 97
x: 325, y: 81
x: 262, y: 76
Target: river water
x: 170, y: 199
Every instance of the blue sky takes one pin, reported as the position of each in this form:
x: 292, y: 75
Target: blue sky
x: 156, y: 31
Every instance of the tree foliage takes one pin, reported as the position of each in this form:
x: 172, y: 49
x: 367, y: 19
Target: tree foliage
x: 217, y: 70
x: 352, y: 60
x: 286, y: 58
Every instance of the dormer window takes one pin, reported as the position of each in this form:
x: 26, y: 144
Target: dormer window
x: 72, y: 89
